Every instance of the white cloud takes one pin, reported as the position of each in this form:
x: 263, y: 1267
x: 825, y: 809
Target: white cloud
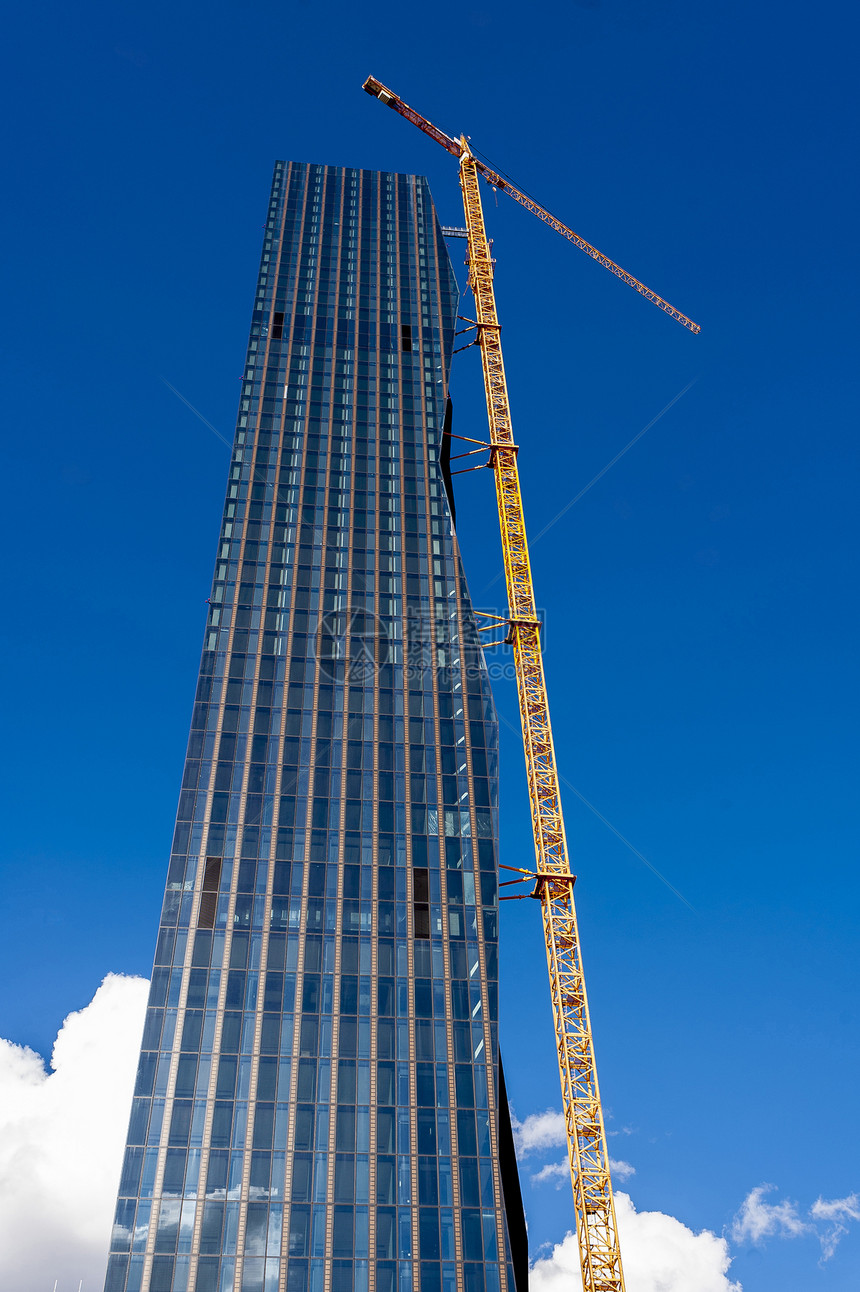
x: 660, y: 1255
x: 539, y: 1131
x: 61, y: 1142
x: 834, y: 1212
x: 542, y: 1131
x: 837, y: 1209
x: 758, y: 1219
x: 558, y: 1173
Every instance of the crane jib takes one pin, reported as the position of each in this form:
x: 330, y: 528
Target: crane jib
x: 461, y: 148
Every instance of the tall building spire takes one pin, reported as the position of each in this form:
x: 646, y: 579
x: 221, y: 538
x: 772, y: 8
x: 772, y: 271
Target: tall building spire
x: 319, y: 1096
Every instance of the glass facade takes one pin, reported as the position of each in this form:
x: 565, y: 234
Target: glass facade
x: 318, y: 1101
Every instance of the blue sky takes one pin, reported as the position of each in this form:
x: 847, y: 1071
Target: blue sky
x: 700, y: 604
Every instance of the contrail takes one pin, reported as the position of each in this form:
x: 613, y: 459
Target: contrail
x: 197, y: 413
x: 618, y: 456
x: 616, y: 832
x: 601, y: 473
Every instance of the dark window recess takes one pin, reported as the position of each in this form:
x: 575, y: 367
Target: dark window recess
x: 209, y: 900
x: 278, y: 325
x: 421, y: 899
x: 406, y: 336
x: 445, y: 457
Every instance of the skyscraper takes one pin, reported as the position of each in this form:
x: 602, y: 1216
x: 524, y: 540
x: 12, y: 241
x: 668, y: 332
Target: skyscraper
x: 319, y: 1105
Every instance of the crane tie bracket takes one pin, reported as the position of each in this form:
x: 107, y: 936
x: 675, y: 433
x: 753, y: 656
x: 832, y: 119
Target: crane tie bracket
x: 494, y: 449
x: 543, y: 880
x: 510, y: 637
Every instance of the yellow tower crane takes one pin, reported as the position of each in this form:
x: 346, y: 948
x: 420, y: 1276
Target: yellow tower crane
x: 596, y: 1230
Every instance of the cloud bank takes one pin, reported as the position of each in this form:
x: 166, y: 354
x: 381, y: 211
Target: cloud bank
x: 660, y: 1255
x: 62, y: 1134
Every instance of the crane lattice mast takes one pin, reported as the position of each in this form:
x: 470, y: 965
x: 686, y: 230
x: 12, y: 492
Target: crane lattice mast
x: 596, y: 1229
x: 599, y: 1253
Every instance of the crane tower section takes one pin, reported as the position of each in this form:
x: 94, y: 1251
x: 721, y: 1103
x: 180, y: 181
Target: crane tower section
x: 596, y: 1228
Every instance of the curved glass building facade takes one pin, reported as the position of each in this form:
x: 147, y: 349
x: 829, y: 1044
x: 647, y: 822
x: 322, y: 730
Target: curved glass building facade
x: 318, y: 1104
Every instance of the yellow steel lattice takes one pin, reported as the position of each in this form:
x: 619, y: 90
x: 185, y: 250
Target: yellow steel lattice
x: 456, y: 148
x: 596, y: 1230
